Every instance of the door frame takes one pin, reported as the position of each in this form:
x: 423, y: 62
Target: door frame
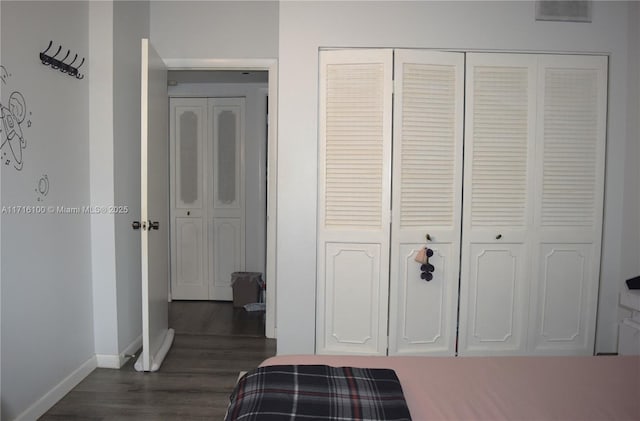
x: 271, y: 66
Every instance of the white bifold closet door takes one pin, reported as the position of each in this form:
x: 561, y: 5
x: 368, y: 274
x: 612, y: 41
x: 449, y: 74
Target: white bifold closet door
x: 568, y: 210
x: 188, y: 160
x: 354, y: 201
x: 226, y: 207
x: 371, y: 299
x: 498, y: 176
x: 533, y: 197
x: 207, y: 143
x: 426, y: 200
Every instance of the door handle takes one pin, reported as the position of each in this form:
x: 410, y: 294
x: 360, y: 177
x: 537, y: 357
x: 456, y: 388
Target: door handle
x: 136, y: 225
x: 154, y: 225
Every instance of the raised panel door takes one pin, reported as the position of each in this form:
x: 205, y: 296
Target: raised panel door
x: 225, y: 248
x: 497, y: 215
x: 571, y: 131
x: 495, y: 288
x: 189, y: 271
x: 427, y: 200
x: 226, y: 178
x: 354, y: 201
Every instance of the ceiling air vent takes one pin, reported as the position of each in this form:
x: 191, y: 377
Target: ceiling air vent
x: 561, y: 10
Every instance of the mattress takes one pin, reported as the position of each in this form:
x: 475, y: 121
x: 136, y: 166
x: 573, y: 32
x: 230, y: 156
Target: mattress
x: 506, y: 388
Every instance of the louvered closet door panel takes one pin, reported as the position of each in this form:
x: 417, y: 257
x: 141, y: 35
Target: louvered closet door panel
x: 568, y: 206
x: 499, y: 154
x: 354, y: 195
x: 427, y: 198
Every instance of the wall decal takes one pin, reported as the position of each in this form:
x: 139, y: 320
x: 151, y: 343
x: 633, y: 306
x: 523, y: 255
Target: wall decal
x: 13, y: 141
x: 15, y: 117
x: 4, y: 74
x: 43, y: 188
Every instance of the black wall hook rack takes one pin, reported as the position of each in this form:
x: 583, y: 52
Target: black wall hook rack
x: 59, y: 64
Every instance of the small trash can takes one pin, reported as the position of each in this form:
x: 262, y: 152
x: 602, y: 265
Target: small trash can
x: 246, y: 287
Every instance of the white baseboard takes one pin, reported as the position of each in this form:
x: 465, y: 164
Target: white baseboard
x: 271, y: 333
x: 46, y: 402
x: 117, y: 361
x: 108, y: 361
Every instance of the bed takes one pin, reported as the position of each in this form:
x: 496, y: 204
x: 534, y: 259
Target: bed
x: 487, y: 388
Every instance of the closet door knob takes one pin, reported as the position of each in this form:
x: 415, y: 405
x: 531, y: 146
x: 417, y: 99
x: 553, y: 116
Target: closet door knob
x: 499, y: 236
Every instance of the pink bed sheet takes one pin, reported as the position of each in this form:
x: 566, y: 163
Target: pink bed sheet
x: 507, y: 388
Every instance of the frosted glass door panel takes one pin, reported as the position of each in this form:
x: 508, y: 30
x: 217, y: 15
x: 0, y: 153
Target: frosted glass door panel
x: 188, y: 161
x: 226, y: 156
x: 189, y: 135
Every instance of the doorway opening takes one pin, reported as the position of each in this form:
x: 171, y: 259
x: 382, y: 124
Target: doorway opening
x: 248, y: 85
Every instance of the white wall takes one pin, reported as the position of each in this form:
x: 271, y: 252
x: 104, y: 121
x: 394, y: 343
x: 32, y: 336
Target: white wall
x: 215, y: 29
x: 1, y: 93
x: 636, y: 40
x: 101, y: 178
x: 116, y: 30
x: 255, y: 159
x: 307, y: 26
x: 47, y: 314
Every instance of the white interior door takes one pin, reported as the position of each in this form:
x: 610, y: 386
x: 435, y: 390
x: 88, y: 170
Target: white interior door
x: 226, y: 214
x: 154, y: 176
x: 534, y: 183
x: 427, y: 200
x: 354, y: 201
x: 571, y: 132
x: 497, y: 214
x: 188, y: 163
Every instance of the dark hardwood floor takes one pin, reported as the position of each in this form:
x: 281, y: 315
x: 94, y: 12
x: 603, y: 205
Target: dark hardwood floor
x: 213, y: 343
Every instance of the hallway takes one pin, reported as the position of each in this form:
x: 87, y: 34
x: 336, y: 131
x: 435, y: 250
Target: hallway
x: 214, y: 318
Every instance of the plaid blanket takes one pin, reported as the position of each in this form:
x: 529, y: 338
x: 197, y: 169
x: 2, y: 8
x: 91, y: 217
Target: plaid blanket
x: 318, y: 392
